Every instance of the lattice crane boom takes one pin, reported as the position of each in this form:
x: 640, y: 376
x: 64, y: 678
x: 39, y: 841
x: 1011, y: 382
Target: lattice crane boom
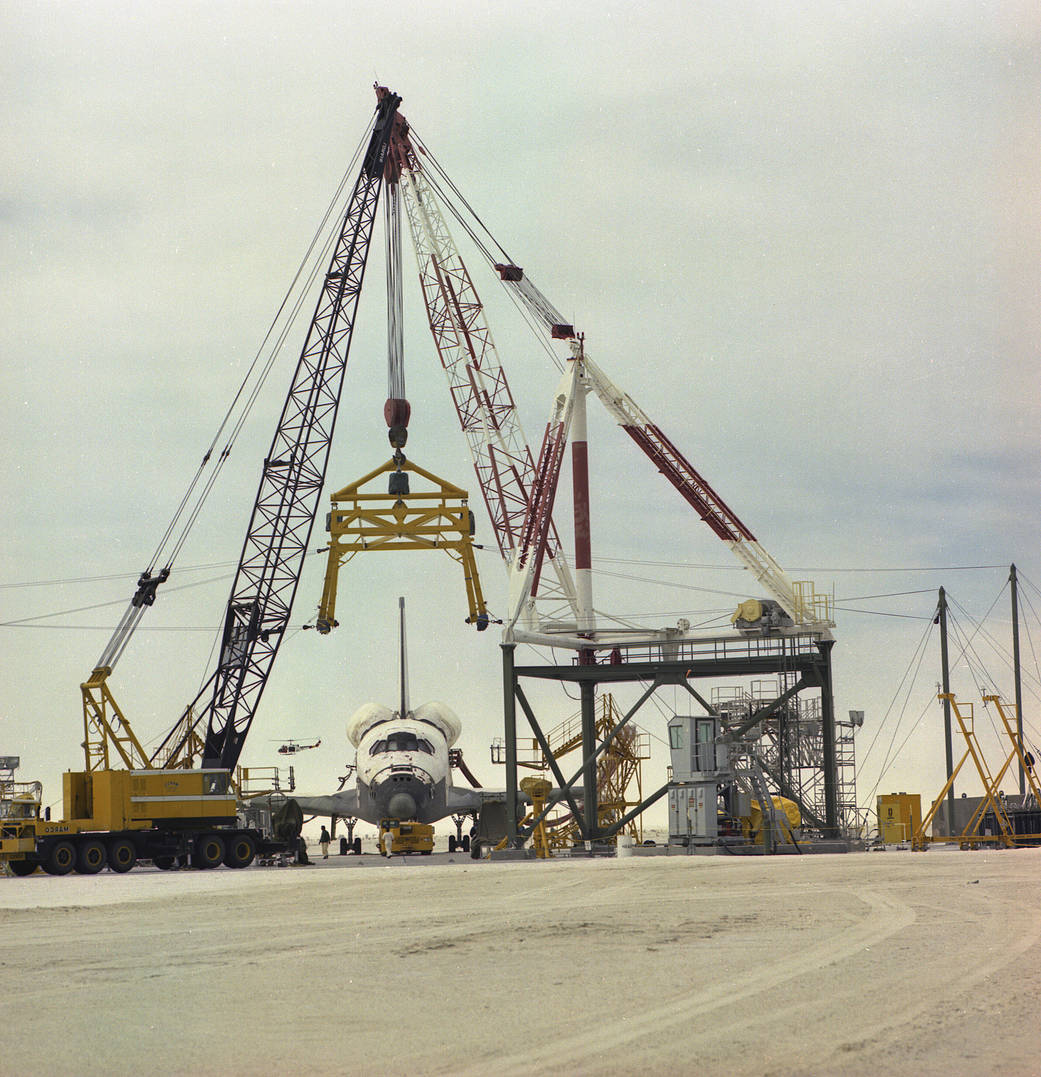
x: 723, y: 521
x: 293, y: 474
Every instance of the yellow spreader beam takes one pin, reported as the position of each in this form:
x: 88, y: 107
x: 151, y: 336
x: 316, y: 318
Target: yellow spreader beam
x: 435, y: 519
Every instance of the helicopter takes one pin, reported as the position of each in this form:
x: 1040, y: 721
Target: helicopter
x: 291, y: 747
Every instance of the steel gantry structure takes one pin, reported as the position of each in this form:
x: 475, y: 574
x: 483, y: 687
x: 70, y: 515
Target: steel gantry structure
x: 548, y: 602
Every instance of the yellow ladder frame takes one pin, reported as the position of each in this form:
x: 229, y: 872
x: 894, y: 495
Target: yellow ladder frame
x: 919, y: 840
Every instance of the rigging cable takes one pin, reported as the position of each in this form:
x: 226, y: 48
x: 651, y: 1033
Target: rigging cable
x: 148, y: 583
x: 247, y: 407
x: 916, y: 662
x: 534, y: 307
x: 1030, y: 638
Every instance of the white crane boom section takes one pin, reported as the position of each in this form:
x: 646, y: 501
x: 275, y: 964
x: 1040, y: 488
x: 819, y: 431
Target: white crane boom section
x: 675, y: 467
x: 480, y: 392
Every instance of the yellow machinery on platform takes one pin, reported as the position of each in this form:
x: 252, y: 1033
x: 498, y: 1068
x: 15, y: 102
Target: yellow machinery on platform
x: 899, y: 817
x: 617, y: 770
x: 438, y: 519
x: 788, y: 816
x: 538, y: 789
x: 992, y: 799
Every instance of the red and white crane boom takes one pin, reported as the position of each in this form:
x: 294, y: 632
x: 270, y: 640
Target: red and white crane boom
x: 506, y: 471
x: 696, y: 491
x: 519, y: 492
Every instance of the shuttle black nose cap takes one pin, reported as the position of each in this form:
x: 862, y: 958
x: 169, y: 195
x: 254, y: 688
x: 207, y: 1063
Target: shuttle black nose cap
x: 402, y: 806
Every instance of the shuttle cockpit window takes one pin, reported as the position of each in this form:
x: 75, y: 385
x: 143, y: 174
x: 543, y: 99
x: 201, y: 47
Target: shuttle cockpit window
x: 402, y: 741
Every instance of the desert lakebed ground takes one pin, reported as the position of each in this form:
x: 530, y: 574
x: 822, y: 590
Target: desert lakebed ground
x: 865, y: 963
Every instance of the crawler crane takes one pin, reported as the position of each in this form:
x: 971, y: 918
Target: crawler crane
x: 171, y: 811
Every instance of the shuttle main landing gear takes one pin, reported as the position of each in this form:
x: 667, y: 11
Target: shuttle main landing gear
x: 458, y: 841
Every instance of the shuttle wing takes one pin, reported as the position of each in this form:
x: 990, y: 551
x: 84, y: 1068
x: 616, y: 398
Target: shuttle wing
x: 344, y: 803
x: 459, y: 798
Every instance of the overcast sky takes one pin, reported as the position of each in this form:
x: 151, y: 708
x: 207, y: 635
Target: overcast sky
x: 807, y: 244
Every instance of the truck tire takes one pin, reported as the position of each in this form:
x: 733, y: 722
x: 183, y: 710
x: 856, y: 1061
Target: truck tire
x: 91, y: 857
x: 240, y: 851
x: 208, y: 851
x: 122, y: 855
x: 22, y: 867
x: 61, y: 858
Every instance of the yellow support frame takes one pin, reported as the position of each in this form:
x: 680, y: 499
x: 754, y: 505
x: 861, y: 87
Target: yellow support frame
x: 105, y: 727
x: 616, y: 770
x: 437, y: 519
x: 920, y: 840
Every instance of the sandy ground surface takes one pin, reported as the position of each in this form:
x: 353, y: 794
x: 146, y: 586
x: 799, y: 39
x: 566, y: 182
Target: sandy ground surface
x: 871, y: 963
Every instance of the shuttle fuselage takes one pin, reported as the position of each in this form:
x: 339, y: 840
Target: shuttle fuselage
x: 402, y: 761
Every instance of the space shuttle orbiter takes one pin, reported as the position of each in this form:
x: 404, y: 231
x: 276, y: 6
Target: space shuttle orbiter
x: 402, y: 768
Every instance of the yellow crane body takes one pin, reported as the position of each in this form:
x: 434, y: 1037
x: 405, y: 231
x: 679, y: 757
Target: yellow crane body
x: 116, y: 817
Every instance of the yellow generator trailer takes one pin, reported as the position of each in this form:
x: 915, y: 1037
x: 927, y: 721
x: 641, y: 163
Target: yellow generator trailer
x: 405, y: 838
x: 115, y: 818
x: 899, y: 816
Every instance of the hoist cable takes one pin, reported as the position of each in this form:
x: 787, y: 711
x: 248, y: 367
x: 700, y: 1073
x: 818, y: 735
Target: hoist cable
x: 395, y: 345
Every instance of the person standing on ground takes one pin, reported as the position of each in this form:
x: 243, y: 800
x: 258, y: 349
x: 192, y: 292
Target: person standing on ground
x: 325, y: 839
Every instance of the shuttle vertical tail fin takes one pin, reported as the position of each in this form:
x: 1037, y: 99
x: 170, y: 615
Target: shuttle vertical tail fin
x: 404, y: 661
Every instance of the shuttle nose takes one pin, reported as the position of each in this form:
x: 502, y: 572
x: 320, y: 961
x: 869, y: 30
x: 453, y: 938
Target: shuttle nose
x: 402, y: 794
x: 402, y: 806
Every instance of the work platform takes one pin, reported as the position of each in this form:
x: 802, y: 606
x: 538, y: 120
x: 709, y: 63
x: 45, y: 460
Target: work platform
x: 800, y: 659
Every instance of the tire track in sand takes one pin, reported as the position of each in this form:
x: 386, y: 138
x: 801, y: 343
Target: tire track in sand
x: 884, y: 917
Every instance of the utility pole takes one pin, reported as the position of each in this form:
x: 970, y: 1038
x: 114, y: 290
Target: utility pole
x: 1016, y: 672
x: 946, y: 674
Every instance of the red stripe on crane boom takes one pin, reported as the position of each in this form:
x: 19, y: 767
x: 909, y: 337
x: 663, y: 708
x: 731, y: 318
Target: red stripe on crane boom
x: 695, y: 490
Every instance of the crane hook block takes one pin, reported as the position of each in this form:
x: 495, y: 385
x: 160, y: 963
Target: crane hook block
x: 146, y: 587
x: 397, y: 412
